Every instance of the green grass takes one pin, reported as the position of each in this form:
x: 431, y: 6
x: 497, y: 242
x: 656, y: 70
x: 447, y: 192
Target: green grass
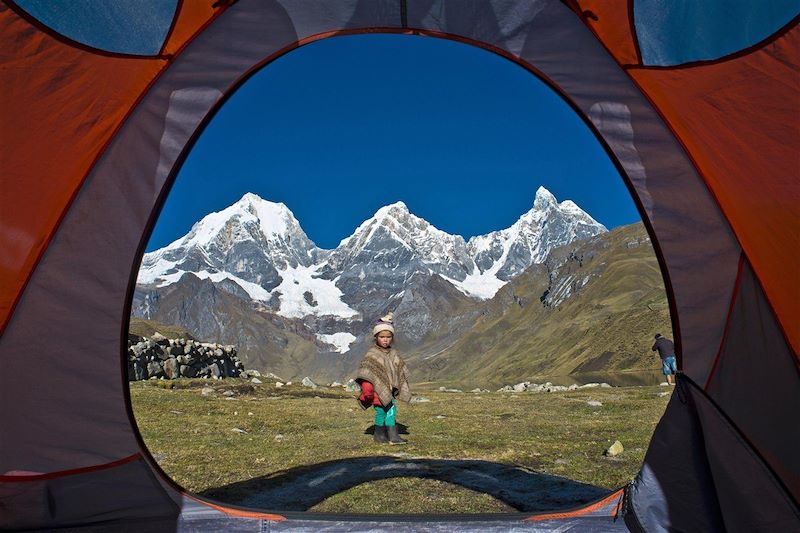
x: 192, y: 437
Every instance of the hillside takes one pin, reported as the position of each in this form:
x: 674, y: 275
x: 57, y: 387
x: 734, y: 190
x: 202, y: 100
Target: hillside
x: 146, y: 328
x: 616, y: 304
x: 592, y: 306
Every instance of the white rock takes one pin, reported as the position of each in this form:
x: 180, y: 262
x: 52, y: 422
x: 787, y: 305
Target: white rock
x: 594, y: 403
x: 419, y: 399
x: 206, y: 391
x: 614, y: 449
x: 308, y: 383
x: 256, y: 381
x: 663, y: 384
x: 278, y: 384
x: 605, y: 385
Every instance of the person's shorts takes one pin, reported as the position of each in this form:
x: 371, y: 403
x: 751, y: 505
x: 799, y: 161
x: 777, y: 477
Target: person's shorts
x: 669, y: 366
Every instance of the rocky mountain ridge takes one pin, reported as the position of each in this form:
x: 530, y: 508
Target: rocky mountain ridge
x: 256, y: 251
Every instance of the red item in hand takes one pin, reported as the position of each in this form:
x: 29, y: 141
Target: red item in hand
x: 368, y: 393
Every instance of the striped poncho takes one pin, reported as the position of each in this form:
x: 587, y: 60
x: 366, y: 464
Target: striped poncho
x: 387, y: 371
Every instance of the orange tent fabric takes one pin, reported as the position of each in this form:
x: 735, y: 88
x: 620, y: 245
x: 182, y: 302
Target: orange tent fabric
x: 92, y: 140
x: 739, y: 120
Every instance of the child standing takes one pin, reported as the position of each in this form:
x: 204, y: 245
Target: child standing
x: 383, y: 376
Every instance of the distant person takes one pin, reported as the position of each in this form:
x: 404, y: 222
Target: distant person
x: 666, y: 350
x: 383, y: 376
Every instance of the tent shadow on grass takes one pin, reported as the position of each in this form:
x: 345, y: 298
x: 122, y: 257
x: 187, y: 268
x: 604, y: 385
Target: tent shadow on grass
x: 300, y: 488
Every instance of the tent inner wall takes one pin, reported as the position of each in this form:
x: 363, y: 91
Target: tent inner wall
x: 76, y: 416
x: 112, y: 212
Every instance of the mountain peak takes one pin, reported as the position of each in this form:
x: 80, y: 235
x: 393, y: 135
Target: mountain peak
x: 397, y: 207
x: 544, y: 198
x: 249, y: 198
x: 252, y: 199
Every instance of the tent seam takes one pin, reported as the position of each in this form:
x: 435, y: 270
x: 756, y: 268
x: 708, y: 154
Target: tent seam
x: 172, y: 26
x: 746, y: 444
x: 72, y: 43
x: 723, y: 342
x: 70, y: 472
x: 755, y: 47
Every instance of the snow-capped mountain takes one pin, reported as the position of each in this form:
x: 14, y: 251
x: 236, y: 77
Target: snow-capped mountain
x: 260, y: 247
x: 502, y: 255
x: 256, y: 249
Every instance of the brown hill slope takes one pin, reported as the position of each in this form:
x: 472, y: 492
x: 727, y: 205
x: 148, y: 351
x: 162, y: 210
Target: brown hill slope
x: 146, y: 328
x: 616, y: 303
x: 265, y: 341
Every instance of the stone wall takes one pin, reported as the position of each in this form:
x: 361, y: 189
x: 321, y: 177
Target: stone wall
x: 159, y: 357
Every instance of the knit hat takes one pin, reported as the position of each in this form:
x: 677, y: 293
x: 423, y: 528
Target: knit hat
x: 383, y: 324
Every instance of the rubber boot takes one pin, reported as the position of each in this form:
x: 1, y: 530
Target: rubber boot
x: 380, y: 435
x: 394, y: 435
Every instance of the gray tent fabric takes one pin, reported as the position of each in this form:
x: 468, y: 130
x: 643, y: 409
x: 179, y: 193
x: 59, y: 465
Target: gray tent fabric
x: 122, y: 493
x: 756, y: 382
x: 706, y: 469
x: 675, y: 458
x: 697, y: 451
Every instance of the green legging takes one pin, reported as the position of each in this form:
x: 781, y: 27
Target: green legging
x: 385, y: 416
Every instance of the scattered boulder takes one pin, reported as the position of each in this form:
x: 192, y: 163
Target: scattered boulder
x: 256, y: 381
x: 419, y: 399
x: 352, y: 386
x: 278, y: 384
x: 308, y: 383
x: 206, y: 391
x: 160, y: 339
x: 171, y: 370
x: 614, y: 450
x: 594, y: 403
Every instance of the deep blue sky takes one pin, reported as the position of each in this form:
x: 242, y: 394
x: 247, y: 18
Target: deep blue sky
x: 338, y: 128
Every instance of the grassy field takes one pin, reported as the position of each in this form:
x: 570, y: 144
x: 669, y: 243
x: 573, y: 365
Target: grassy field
x: 213, y: 444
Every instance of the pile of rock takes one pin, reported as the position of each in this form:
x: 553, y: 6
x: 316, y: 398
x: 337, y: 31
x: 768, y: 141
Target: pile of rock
x: 527, y: 386
x: 159, y: 357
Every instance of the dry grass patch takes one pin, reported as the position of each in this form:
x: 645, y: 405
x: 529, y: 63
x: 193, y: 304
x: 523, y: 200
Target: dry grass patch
x: 209, y: 441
